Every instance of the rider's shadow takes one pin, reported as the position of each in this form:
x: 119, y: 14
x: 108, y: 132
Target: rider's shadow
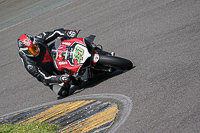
x: 92, y: 83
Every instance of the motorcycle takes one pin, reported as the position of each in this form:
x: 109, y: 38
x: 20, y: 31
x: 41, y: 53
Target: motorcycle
x: 83, y: 60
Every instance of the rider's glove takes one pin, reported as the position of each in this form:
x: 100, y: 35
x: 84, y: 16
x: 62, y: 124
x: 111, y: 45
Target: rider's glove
x: 71, y: 33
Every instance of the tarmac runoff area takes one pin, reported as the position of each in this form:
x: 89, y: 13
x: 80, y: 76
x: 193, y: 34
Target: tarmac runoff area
x: 88, y: 113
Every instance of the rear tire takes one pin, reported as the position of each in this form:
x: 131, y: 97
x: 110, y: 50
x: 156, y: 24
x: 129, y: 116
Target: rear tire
x: 116, y: 62
x: 64, y: 91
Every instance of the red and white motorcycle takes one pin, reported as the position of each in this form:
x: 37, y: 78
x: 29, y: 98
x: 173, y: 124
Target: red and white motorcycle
x: 84, y: 60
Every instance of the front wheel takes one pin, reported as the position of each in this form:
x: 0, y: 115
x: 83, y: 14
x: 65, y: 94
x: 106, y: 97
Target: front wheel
x: 115, y: 62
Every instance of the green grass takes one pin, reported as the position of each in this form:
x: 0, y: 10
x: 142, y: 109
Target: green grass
x: 33, y: 127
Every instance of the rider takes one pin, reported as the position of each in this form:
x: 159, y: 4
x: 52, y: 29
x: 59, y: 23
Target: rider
x: 36, y: 57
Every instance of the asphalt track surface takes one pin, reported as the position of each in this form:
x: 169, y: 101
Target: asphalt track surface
x: 161, y: 38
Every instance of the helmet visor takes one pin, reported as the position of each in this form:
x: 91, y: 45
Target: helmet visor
x: 34, y: 50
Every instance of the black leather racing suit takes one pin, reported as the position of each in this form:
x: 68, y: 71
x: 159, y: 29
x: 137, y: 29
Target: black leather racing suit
x: 41, y: 67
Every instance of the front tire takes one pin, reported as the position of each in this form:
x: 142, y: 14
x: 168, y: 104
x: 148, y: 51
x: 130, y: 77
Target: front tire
x: 115, y: 62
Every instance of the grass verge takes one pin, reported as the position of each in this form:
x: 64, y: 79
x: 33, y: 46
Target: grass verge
x: 32, y: 127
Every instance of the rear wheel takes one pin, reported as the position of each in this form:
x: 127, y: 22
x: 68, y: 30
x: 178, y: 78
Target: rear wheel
x: 115, y: 62
x: 64, y: 91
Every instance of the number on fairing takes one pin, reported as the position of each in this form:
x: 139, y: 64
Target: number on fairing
x: 79, y: 53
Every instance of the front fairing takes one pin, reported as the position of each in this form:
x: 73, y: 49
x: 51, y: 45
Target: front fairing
x: 70, y: 54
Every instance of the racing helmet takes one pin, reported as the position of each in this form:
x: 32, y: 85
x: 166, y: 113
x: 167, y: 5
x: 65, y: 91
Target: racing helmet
x: 27, y: 43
